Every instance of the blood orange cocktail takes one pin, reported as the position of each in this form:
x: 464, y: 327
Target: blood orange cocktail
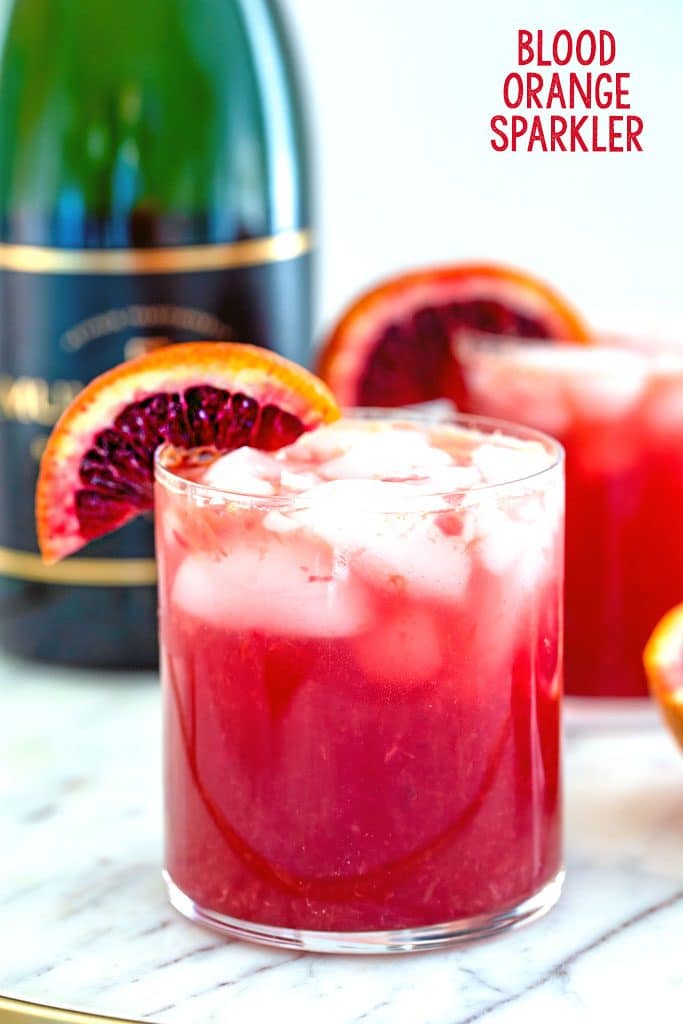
x: 361, y: 642
x: 618, y: 411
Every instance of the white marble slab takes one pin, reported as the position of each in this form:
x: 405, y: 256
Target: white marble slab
x: 84, y: 920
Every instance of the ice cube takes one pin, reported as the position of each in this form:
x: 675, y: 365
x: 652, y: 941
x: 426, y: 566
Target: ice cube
x: 277, y: 521
x: 279, y: 585
x: 338, y: 511
x: 406, y: 649
x: 530, y: 508
x: 605, y: 383
x: 391, y: 454
x: 509, y: 543
x: 664, y: 408
x: 550, y: 384
x: 493, y: 622
x: 351, y: 499
x: 451, y: 479
x: 387, y: 530
x: 554, y: 507
x: 415, y: 555
x: 244, y: 471
x: 318, y: 446
x: 499, y: 463
x: 506, y: 379
x: 501, y: 541
x: 542, y: 405
x: 297, y: 483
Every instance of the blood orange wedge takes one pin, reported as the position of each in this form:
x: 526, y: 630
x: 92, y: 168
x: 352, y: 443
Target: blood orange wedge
x: 663, y: 659
x: 393, y: 346
x: 97, y: 471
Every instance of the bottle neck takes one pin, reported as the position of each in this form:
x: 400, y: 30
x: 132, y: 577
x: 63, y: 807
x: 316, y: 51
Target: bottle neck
x: 161, y: 123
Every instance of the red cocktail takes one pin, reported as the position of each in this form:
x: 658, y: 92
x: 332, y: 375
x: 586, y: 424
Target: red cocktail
x: 618, y: 411
x: 361, y: 639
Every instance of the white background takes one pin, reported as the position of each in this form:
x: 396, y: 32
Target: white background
x: 402, y: 92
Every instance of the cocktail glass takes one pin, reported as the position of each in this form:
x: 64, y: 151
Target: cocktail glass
x: 362, y: 685
x: 617, y: 407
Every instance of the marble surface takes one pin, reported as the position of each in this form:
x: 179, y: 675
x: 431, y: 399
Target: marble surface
x: 84, y: 921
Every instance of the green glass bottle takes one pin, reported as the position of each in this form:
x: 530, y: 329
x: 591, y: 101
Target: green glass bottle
x: 153, y: 187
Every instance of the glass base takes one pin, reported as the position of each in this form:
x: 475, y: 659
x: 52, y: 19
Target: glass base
x: 399, y: 940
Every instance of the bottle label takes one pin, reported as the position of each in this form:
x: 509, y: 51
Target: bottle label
x: 68, y: 315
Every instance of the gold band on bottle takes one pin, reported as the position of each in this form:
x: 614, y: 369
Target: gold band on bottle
x: 37, y: 259
x: 20, y: 1011
x: 85, y: 572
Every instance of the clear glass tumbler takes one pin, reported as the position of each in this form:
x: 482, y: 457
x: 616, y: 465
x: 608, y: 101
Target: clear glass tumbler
x: 362, y: 696
x: 617, y: 408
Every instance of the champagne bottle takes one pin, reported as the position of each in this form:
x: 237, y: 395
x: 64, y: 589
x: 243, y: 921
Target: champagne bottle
x: 152, y: 187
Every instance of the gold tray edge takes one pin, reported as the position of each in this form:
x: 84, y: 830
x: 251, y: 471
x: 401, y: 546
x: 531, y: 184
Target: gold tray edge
x: 21, y: 1011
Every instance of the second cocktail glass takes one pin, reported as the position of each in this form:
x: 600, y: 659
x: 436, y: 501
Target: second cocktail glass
x: 617, y: 408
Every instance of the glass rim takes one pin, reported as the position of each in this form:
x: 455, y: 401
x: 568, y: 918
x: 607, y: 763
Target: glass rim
x: 654, y: 357
x: 177, y: 483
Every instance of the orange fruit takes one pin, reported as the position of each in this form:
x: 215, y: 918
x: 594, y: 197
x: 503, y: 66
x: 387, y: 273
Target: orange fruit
x: 97, y: 470
x: 663, y: 660
x: 392, y: 346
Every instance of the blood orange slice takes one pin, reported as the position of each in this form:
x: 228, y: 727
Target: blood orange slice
x: 393, y: 345
x: 97, y: 471
x: 663, y: 659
